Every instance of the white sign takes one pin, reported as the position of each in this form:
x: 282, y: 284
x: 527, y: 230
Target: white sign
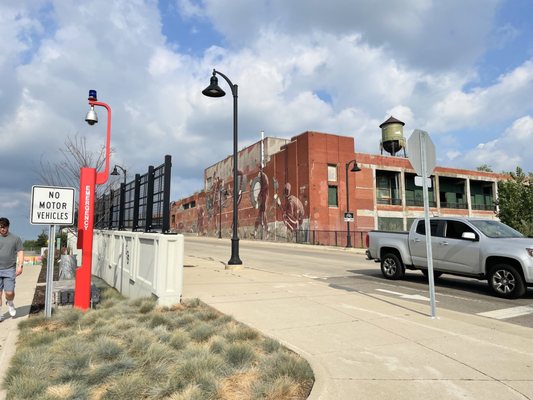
x: 348, y: 217
x: 420, y: 182
x: 52, y: 205
x: 421, y: 153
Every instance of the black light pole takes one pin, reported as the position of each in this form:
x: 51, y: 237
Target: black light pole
x: 213, y: 90
x: 355, y: 168
x: 122, y: 196
x: 115, y: 172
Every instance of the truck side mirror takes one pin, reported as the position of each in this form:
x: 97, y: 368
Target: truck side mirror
x: 469, y: 236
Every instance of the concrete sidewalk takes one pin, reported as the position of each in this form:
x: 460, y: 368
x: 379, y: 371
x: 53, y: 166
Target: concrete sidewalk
x: 372, y: 347
x: 24, y: 292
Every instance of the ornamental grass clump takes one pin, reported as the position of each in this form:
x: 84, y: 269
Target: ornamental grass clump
x: 133, y: 349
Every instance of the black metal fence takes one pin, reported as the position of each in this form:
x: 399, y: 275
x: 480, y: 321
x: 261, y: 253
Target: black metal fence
x: 320, y: 237
x: 140, y: 205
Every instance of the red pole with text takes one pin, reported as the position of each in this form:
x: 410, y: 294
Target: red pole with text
x: 89, y: 178
x: 82, y: 289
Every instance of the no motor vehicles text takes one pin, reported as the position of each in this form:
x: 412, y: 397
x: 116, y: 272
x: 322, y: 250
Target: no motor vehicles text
x: 53, y: 205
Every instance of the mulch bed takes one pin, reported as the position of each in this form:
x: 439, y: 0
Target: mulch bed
x: 37, y: 304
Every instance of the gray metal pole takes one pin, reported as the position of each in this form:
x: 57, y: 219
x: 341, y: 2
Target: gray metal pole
x: 49, y: 272
x: 427, y: 225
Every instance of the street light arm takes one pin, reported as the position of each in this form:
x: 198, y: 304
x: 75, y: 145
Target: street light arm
x: 101, y: 177
x: 122, y: 169
x: 231, y: 85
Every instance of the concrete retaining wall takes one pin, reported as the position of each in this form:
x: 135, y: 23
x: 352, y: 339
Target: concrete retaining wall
x: 140, y: 264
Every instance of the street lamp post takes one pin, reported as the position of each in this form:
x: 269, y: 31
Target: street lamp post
x: 116, y: 173
x: 89, y: 178
x: 213, y: 90
x: 355, y: 168
x: 122, y: 196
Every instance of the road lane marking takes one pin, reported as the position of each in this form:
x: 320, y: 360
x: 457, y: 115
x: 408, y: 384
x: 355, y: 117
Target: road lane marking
x: 405, y: 296
x: 505, y: 313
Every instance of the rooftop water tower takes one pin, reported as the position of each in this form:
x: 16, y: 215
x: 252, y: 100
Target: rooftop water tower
x: 392, y: 139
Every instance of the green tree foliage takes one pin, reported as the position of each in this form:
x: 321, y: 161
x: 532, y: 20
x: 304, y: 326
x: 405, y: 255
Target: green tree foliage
x: 485, y: 168
x: 42, y: 240
x: 30, y: 245
x: 515, y: 200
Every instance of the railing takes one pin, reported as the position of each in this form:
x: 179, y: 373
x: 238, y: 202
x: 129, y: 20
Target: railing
x: 461, y: 206
x: 140, y: 205
x: 419, y: 203
x: 391, y: 202
x: 323, y: 238
x: 486, y: 207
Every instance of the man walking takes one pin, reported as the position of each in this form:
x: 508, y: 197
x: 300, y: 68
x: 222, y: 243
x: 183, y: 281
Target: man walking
x: 11, y: 264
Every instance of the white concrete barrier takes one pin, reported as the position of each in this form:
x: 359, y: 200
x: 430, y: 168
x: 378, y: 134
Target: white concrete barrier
x: 140, y: 264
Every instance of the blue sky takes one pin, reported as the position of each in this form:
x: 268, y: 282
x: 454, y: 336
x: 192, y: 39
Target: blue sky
x: 461, y: 70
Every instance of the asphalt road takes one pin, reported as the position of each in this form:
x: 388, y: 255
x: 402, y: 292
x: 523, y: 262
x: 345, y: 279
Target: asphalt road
x: 349, y: 270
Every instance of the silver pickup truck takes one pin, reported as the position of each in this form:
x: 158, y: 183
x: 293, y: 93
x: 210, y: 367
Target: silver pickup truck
x: 480, y: 248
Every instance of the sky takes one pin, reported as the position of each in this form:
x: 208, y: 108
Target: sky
x: 462, y: 70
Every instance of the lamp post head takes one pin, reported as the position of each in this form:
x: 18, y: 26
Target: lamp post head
x: 115, y: 172
x: 355, y: 168
x: 213, y: 90
x: 91, y: 118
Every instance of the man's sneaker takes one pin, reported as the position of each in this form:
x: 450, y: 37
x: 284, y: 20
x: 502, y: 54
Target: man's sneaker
x: 2, y: 317
x: 11, y: 308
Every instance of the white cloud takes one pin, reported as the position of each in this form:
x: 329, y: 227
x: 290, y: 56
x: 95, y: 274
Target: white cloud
x: 509, y: 96
x: 508, y: 151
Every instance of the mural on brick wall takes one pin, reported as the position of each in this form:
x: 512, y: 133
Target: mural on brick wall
x: 293, y: 211
x: 270, y: 206
x: 259, y: 198
x: 200, y: 221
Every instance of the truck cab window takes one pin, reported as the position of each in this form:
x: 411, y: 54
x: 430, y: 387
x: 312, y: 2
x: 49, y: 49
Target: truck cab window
x: 455, y: 229
x: 421, y: 227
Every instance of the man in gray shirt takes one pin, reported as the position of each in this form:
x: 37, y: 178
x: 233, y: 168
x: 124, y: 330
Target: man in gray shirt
x: 11, y: 264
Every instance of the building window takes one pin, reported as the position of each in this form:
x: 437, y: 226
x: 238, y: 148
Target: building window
x: 414, y: 195
x: 390, y: 224
x: 388, y: 188
x: 333, y: 199
x: 452, y: 193
x: 332, y: 173
x: 481, y: 196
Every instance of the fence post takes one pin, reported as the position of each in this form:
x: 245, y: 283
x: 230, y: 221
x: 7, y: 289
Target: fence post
x: 122, y: 206
x: 166, y: 194
x: 136, y: 199
x: 110, y: 221
x: 149, y: 199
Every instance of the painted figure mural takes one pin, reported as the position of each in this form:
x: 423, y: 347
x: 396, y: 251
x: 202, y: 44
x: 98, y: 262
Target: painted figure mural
x: 260, y: 195
x: 200, y: 221
x: 292, y: 207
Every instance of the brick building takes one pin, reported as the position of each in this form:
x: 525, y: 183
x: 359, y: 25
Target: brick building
x: 296, y: 190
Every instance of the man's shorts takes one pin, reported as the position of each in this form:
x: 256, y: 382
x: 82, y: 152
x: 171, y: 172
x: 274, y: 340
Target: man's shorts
x: 7, y: 279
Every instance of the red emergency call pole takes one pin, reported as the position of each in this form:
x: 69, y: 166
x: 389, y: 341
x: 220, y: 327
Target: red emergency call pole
x: 89, y: 178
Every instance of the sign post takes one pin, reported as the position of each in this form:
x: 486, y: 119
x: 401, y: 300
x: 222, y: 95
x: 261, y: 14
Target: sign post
x: 51, y: 205
x: 422, y: 158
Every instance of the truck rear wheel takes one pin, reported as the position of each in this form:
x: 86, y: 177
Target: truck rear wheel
x: 506, y: 281
x: 392, y: 267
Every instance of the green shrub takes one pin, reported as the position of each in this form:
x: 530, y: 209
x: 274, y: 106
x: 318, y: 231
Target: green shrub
x: 239, y: 354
